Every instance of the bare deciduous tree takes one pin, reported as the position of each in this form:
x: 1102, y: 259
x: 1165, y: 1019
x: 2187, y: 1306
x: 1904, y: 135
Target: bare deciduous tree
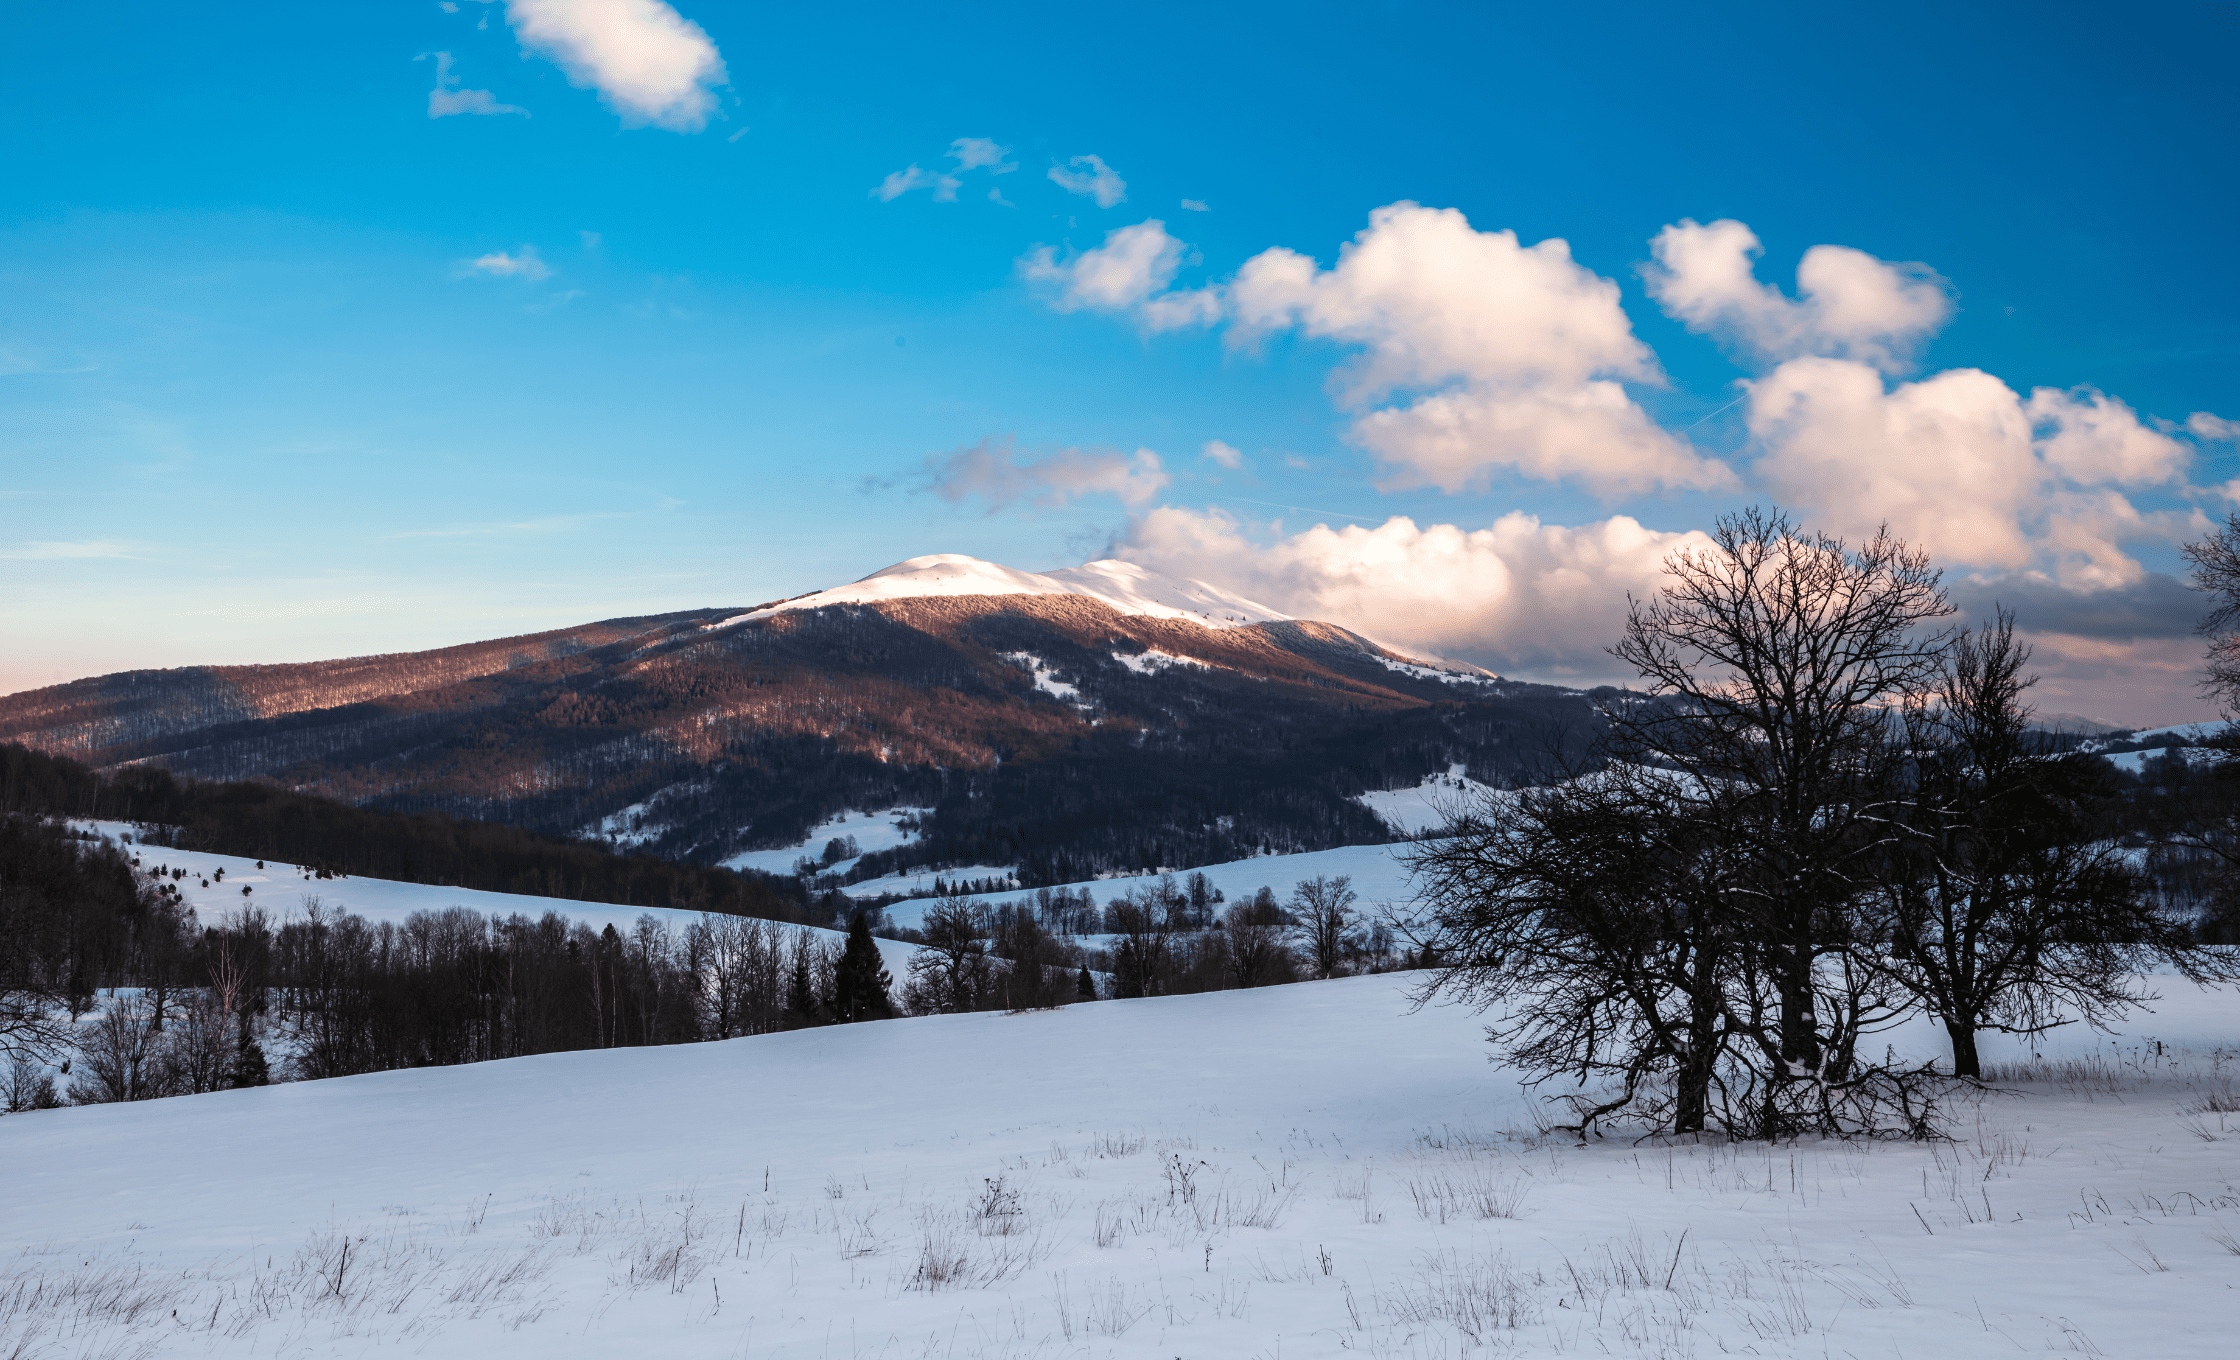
x: 952, y: 972
x: 2005, y: 908
x: 1255, y: 929
x: 1323, y: 916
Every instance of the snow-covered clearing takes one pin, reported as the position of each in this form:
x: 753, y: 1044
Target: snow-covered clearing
x: 920, y: 881
x: 1045, y: 678
x: 1376, y: 875
x: 281, y: 891
x: 1429, y: 805
x: 872, y: 831
x: 1297, y: 1171
x: 1151, y: 661
x: 2136, y: 761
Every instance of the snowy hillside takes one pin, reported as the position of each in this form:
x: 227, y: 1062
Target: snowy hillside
x: 1299, y: 1171
x: 281, y: 890
x: 1123, y: 585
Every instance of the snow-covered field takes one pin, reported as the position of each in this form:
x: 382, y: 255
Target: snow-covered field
x: 281, y: 891
x: 1298, y: 1171
x: 1375, y: 871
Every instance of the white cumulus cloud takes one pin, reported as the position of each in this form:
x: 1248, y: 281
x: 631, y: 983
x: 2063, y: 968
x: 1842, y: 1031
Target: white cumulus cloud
x: 650, y: 63
x: 1519, y: 596
x: 993, y: 471
x: 1518, y: 353
x: 1129, y: 273
x: 1090, y: 177
x: 1223, y: 454
x: 1966, y: 467
x: 1849, y: 304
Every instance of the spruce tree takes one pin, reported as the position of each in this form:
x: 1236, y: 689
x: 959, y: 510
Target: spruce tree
x: 860, y: 981
x: 250, y: 1069
x: 801, y: 995
x: 1085, y: 987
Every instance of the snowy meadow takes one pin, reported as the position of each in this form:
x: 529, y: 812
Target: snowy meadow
x: 1283, y: 1172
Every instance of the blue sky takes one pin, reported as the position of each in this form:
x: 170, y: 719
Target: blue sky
x: 292, y: 367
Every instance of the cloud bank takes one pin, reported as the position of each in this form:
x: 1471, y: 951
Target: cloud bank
x: 1474, y: 359
x: 1518, y: 596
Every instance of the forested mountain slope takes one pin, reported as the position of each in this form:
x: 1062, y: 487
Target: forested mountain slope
x: 1107, y: 722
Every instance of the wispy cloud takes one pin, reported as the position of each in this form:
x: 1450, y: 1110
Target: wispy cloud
x: 447, y: 100
x: 63, y: 551
x: 1090, y: 177
x: 348, y: 604
x: 524, y: 263
x: 969, y: 153
x: 912, y: 177
x: 548, y: 524
x: 993, y: 471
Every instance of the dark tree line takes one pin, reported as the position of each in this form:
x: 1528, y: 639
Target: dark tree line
x: 103, y: 970
x: 1166, y: 938
x: 258, y: 821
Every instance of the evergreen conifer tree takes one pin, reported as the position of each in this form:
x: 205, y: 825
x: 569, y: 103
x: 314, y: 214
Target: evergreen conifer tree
x: 1085, y: 987
x: 801, y: 994
x: 250, y: 1069
x: 860, y: 981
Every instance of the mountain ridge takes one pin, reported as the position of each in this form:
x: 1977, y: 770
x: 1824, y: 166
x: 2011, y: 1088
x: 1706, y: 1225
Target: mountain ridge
x: 1046, y: 723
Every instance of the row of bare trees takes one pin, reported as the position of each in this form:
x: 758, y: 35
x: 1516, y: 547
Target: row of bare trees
x: 1823, y: 815
x: 1153, y: 939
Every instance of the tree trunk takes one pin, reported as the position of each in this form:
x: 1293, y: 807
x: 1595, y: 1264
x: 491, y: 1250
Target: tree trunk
x: 1693, y: 1088
x: 1800, y: 1028
x: 1965, y: 1062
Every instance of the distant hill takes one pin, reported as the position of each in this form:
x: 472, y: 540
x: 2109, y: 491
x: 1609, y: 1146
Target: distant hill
x: 1071, y: 723
x: 2074, y: 724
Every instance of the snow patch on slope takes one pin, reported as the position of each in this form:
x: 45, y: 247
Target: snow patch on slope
x: 1123, y: 585
x: 1045, y: 679
x: 876, y: 830
x: 1428, y: 806
x: 1446, y: 673
x: 1153, y: 661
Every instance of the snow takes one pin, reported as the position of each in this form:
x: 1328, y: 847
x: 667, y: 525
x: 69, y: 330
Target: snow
x: 873, y: 831
x: 921, y: 881
x: 1446, y: 672
x: 1045, y: 679
x: 2135, y: 761
x: 1294, y: 1171
x: 1123, y: 585
x: 1429, y: 805
x: 1376, y: 873
x: 2193, y: 731
x: 1151, y: 661
x: 282, y: 890
x: 625, y: 829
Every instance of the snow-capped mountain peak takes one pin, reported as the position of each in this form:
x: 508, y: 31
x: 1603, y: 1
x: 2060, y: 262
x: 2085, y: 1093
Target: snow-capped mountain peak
x: 1125, y: 586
